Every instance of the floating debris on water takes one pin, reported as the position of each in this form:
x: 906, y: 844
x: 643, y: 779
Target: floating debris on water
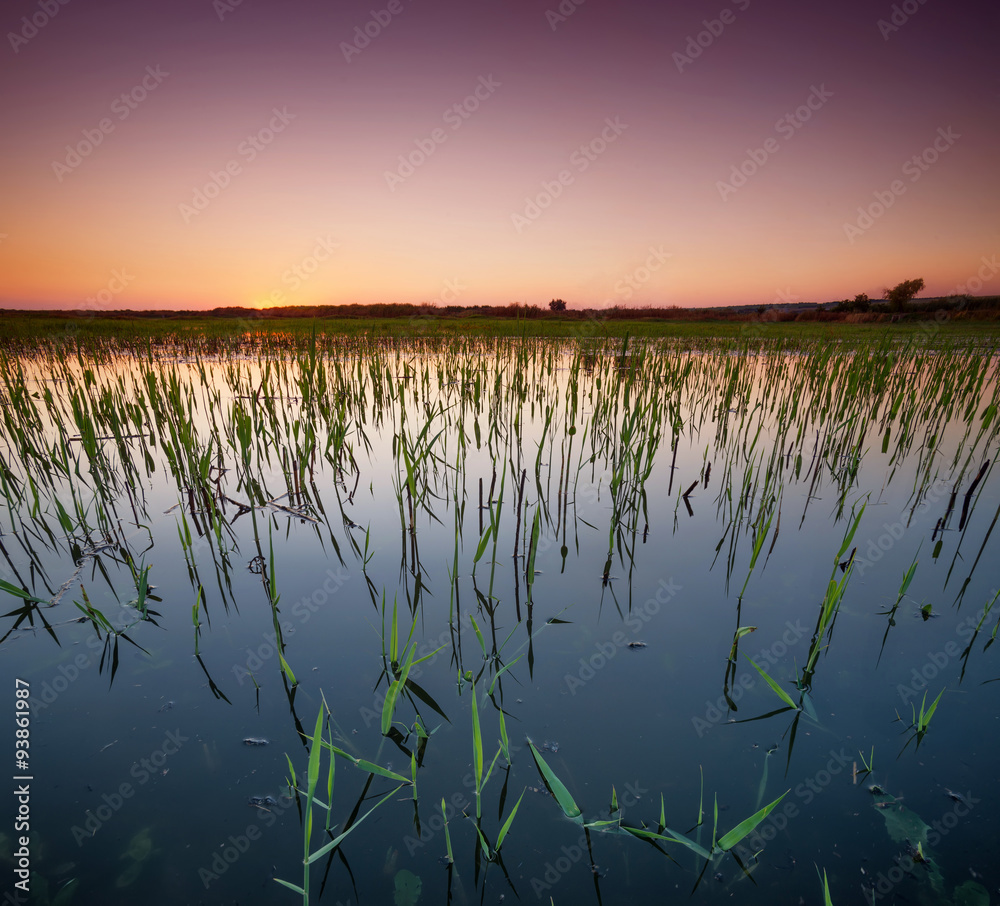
x: 407, y: 888
x: 552, y: 747
x: 256, y: 741
x: 262, y: 801
x: 634, y: 645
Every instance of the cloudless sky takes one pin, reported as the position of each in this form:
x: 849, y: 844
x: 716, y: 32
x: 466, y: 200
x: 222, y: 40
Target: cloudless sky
x: 191, y: 154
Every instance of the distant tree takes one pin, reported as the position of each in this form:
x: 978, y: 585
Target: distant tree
x: 861, y: 299
x: 899, y: 295
x: 557, y: 305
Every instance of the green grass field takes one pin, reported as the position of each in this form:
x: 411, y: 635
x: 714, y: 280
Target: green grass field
x: 23, y: 329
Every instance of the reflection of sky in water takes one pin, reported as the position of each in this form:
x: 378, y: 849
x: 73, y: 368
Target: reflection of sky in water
x: 642, y: 719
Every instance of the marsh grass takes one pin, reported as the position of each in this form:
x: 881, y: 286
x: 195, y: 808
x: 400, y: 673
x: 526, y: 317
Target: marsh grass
x: 266, y: 441
x: 920, y: 723
x: 311, y: 802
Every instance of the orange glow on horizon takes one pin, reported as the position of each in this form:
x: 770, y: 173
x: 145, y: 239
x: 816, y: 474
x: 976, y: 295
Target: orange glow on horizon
x: 511, y: 159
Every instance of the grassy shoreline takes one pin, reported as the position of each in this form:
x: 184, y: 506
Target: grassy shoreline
x: 25, y: 329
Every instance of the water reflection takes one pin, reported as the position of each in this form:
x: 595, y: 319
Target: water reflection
x: 715, y: 581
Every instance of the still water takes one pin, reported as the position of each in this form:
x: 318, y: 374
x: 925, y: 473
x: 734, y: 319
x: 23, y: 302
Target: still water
x: 590, y: 542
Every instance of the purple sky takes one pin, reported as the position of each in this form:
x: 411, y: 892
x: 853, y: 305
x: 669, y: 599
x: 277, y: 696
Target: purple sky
x: 479, y: 152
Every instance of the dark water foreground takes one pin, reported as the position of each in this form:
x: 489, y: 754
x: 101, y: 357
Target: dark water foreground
x: 700, y: 584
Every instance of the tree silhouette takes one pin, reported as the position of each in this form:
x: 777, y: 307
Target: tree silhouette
x: 901, y: 293
x: 557, y: 305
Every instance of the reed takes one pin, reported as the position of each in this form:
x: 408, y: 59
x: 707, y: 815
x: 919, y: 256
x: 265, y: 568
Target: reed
x: 307, y: 441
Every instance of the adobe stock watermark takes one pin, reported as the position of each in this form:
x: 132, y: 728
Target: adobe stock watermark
x: 641, y: 275
x: 248, y: 149
x: 555, y: 871
x: 117, y: 283
x: 122, y: 107
x: 556, y: 17
x: 975, y: 283
x: 606, y: 651
x: 141, y: 772
x: 884, y: 882
x: 937, y: 661
x: 374, y: 714
x: 870, y: 552
x: 452, y: 290
x: 786, y: 127
x: 754, y: 328
x: 715, y: 712
x: 455, y: 804
x: 930, y: 328
x: 380, y: 20
x: 779, y: 819
x: 454, y: 117
x: 237, y: 846
x: 901, y: 13
x: 580, y: 161
x: 699, y: 42
x: 46, y: 12
x: 914, y: 169
x: 225, y: 8
x: 785, y: 296
x: 302, y: 610
x: 46, y: 694
x: 298, y: 274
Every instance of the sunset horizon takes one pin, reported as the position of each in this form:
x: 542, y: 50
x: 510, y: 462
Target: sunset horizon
x: 236, y: 155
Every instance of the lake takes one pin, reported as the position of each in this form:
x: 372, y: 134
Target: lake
x: 482, y: 621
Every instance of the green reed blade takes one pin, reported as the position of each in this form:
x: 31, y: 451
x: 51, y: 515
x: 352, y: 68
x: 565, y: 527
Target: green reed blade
x: 925, y: 719
x: 365, y: 765
x: 827, y: 901
x: 395, y: 688
x: 556, y: 786
x: 21, y: 593
x: 483, y: 543
x: 479, y: 635
x: 334, y: 843
x: 510, y: 820
x: 477, y: 750
x: 728, y: 841
x: 447, y: 834
x: 781, y: 693
x: 669, y: 836
x: 316, y: 748
x: 286, y: 669
x: 715, y: 821
x: 504, y: 741
x: 482, y: 841
x: 501, y: 671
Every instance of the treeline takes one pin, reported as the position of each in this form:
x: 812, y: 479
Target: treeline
x: 982, y: 307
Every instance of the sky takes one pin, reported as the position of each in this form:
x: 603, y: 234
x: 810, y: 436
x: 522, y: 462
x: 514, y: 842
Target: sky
x: 200, y: 153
